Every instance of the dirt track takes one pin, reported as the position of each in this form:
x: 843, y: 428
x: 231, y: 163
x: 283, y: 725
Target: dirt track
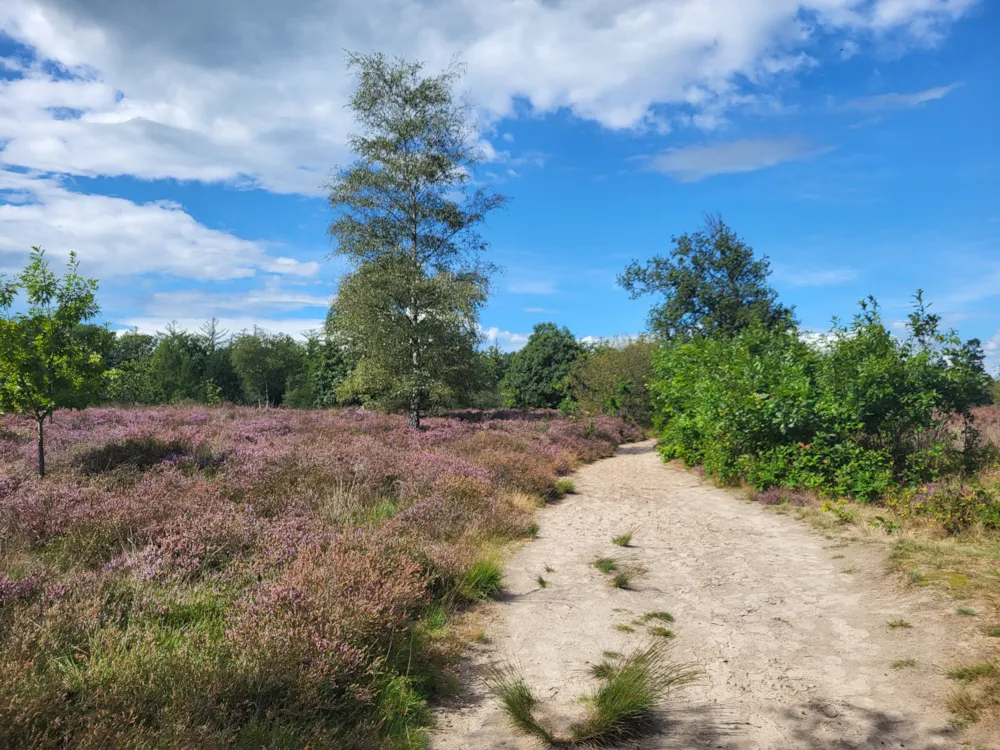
x: 794, y: 652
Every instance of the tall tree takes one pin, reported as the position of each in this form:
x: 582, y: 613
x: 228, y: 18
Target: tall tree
x: 712, y: 284
x: 47, y: 359
x: 265, y: 363
x: 407, y: 218
x: 536, y: 377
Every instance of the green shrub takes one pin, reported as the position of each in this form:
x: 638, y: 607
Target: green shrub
x: 856, y: 415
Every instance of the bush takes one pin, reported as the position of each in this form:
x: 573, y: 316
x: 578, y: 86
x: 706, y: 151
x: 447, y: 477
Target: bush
x: 855, y: 415
x: 613, y: 379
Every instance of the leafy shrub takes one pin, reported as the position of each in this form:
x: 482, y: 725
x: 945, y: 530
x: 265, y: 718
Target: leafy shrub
x: 854, y: 416
x: 613, y: 378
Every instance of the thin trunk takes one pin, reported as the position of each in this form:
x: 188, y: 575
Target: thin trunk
x: 41, y: 446
x: 415, y: 394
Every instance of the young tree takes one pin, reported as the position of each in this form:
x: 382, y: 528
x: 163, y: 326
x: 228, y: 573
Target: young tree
x: 45, y: 361
x: 712, y: 283
x: 613, y: 378
x: 406, y: 219
x: 536, y: 377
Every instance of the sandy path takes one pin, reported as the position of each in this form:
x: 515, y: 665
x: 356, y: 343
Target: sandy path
x: 795, y: 653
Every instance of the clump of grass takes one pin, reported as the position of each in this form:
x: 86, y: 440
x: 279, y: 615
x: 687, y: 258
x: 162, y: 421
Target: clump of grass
x: 837, y: 557
x: 532, y: 531
x: 624, y: 540
x: 994, y: 633
x: 849, y: 570
x: 482, y: 580
x: 915, y: 576
x: 967, y: 611
x: 542, y: 583
x: 898, y: 623
x: 974, y: 672
x: 622, y: 579
x: 663, y: 616
x: 660, y: 631
x: 606, y: 565
x: 564, y: 487
x: 623, y: 628
x: 549, y: 569
x: 624, y: 703
x: 630, y: 690
x: 517, y: 701
x: 904, y: 663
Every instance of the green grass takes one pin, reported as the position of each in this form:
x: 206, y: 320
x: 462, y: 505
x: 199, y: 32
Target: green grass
x: 660, y: 631
x: 517, y: 701
x: 624, y: 628
x: 482, y: 580
x: 904, y: 663
x: 606, y: 565
x: 915, y: 576
x: 622, y: 580
x: 532, y: 531
x: 898, y: 623
x: 630, y: 690
x: 565, y: 487
x: 994, y: 633
x: 662, y: 616
x: 968, y: 612
x: 542, y: 583
x: 624, y: 540
x: 974, y: 672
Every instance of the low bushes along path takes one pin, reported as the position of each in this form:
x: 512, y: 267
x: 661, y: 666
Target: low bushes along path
x: 789, y: 631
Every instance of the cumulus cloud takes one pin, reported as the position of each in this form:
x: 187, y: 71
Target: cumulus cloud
x: 693, y: 163
x: 116, y: 237
x: 252, y: 92
x: 506, y: 340
x: 900, y: 101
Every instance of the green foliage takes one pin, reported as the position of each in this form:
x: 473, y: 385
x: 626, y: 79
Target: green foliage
x: 613, y: 378
x: 409, y: 311
x: 47, y: 359
x: 265, y: 364
x: 712, y: 286
x: 537, y: 374
x: 855, y: 415
x: 482, y: 580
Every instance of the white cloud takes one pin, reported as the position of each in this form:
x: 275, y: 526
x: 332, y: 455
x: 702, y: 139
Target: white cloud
x: 540, y: 310
x: 900, y: 101
x: 292, y: 326
x: 505, y: 339
x: 116, y: 237
x: 194, y: 303
x: 693, y: 163
x: 992, y: 350
x: 532, y: 287
x: 814, y: 276
x: 252, y: 92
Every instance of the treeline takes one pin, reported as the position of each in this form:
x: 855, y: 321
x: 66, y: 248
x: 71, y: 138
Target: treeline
x: 211, y: 366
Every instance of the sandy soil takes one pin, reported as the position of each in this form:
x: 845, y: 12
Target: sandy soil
x: 788, y: 628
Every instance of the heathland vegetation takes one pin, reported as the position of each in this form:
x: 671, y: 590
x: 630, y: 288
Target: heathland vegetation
x: 188, y: 569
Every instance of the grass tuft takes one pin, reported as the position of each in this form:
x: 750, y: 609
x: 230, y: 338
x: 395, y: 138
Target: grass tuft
x: 517, y: 701
x: 624, y: 540
x: 482, y: 580
x: 974, y: 672
x: 663, y: 616
x: 904, y: 663
x: 622, y: 628
x: 542, y: 583
x: 967, y: 611
x: 630, y: 690
x: 622, y: 580
x: 565, y: 487
x: 660, y: 631
x: 898, y: 623
x: 606, y: 565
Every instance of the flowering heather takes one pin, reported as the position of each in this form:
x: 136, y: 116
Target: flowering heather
x: 198, y: 577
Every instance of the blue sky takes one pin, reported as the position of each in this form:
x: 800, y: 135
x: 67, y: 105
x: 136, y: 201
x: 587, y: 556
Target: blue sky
x: 181, y: 148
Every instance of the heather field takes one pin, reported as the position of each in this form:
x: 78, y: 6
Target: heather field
x: 217, y: 577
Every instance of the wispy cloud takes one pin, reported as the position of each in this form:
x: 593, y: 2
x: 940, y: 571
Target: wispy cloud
x: 814, y: 276
x: 540, y: 310
x: 505, y: 339
x: 532, y: 287
x: 693, y: 163
x: 895, y: 100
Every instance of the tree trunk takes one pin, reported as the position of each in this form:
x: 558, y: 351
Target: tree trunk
x: 415, y: 394
x: 41, y: 446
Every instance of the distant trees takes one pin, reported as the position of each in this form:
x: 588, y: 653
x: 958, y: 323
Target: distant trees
x: 537, y: 373
x: 406, y: 220
x: 48, y: 358
x: 712, y: 285
x: 613, y: 377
